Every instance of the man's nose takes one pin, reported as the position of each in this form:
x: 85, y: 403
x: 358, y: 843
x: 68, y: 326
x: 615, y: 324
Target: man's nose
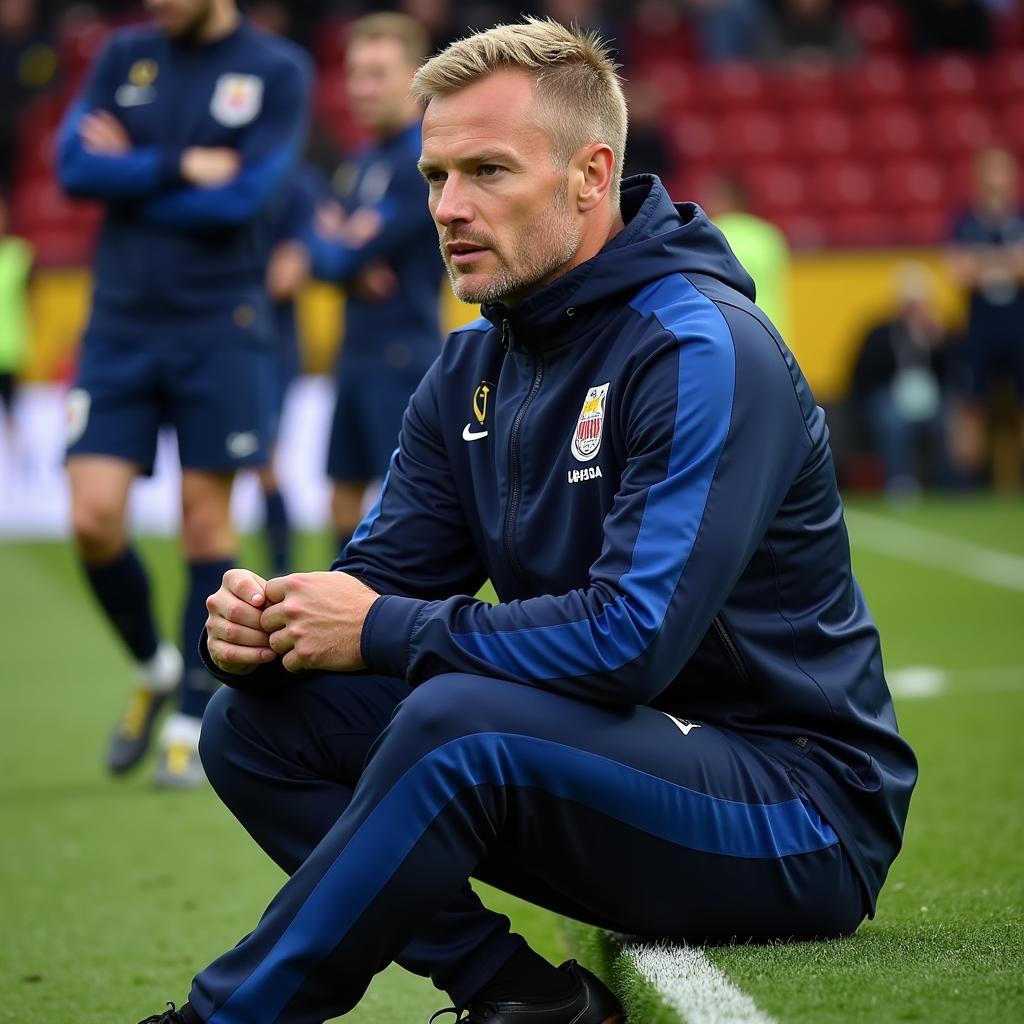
x: 452, y: 205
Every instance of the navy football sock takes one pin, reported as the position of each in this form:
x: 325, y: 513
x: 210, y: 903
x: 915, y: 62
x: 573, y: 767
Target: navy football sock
x: 122, y: 589
x: 278, y: 532
x: 204, y: 579
x: 526, y: 976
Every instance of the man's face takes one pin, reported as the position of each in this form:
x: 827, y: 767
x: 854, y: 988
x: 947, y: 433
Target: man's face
x: 504, y: 216
x: 180, y: 19
x: 996, y: 179
x: 377, y: 77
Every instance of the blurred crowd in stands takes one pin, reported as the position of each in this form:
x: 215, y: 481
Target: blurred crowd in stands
x: 835, y: 123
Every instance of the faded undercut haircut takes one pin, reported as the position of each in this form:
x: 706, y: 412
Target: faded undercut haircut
x: 579, y: 92
x: 392, y: 25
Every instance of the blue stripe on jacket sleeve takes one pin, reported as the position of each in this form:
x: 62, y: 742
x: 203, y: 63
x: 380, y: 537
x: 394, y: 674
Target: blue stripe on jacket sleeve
x: 625, y: 627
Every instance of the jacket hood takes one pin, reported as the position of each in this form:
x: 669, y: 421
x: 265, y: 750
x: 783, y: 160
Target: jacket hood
x: 659, y: 238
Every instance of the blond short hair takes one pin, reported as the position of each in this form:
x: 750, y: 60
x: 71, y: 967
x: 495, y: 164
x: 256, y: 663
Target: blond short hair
x: 578, y: 87
x: 392, y: 25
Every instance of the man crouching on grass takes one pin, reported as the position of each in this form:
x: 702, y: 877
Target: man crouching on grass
x: 674, y: 723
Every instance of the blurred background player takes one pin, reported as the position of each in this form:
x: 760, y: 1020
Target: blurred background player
x: 378, y: 240
x: 15, y: 268
x: 987, y: 258
x: 186, y: 130
x: 760, y: 247
x: 287, y: 271
x: 901, y: 381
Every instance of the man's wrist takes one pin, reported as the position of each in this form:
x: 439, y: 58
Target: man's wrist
x: 386, y: 634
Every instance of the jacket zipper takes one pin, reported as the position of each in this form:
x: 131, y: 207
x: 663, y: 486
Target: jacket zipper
x: 730, y: 649
x: 515, y: 486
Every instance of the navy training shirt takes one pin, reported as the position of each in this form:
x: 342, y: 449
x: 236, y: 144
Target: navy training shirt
x: 383, y: 177
x: 168, y: 248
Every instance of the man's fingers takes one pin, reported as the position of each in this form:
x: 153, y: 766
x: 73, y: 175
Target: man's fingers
x: 246, y: 586
x: 277, y: 588
x: 233, y: 633
x: 273, y: 618
x: 238, y: 660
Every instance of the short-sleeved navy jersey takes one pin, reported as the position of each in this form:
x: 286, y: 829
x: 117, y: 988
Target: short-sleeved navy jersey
x: 168, y: 248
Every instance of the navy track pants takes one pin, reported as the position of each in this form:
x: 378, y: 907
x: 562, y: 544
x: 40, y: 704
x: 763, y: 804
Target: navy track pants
x: 381, y: 801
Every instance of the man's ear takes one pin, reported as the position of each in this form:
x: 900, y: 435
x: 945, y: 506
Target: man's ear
x: 595, y: 165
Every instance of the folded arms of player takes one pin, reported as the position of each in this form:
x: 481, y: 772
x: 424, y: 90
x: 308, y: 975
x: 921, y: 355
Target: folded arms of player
x: 184, y: 187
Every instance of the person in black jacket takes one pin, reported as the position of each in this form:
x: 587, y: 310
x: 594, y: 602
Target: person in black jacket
x: 674, y: 720
x: 900, y: 384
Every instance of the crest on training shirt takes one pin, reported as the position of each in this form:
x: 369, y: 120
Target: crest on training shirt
x: 237, y: 99
x: 586, y: 438
x: 480, y: 397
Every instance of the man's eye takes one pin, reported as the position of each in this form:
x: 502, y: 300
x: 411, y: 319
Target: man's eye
x: 488, y: 170
x: 434, y: 177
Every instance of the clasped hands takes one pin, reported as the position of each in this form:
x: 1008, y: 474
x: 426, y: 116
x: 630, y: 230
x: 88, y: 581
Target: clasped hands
x: 311, y: 620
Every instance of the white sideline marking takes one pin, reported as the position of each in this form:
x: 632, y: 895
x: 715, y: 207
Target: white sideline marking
x: 689, y: 983
x: 940, y: 551
x: 915, y: 682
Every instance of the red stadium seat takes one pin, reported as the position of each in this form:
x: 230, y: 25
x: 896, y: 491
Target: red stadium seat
x: 813, y: 85
x: 947, y: 78
x: 732, y: 86
x: 880, y: 26
x: 906, y: 184
x: 837, y: 185
x: 819, y: 133
x: 875, y: 80
x: 750, y: 135
x: 1010, y: 127
x: 960, y: 128
x: 1004, y: 76
x: 923, y: 225
x: 658, y: 35
x: 804, y: 230
x: 674, y: 84
x: 775, y: 189
x: 693, y: 138
x: 890, y: 131
x: 62, y: 246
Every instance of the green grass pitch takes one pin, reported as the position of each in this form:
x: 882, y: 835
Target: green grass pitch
x: 112, y: 895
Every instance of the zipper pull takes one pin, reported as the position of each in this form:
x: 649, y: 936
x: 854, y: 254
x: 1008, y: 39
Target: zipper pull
x: 506, y: 334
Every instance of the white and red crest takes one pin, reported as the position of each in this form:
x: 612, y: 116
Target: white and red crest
x: 237, y: 99
x: 586, y: 438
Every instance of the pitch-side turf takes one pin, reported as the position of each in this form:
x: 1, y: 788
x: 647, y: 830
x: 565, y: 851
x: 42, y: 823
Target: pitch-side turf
x: 111, y: 895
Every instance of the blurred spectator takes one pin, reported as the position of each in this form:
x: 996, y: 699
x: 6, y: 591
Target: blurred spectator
x: 807, y: 32
x: 15, y: 267
x: 987, y: 257
x: 899, y: 385
x: 28, y: 64
x: 646, y: 151
x: 951, y: 25
x: 759, y: 246
x: 727, y: 29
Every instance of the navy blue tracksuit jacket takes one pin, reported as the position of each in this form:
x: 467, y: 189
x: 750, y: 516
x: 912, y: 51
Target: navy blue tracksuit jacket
x: 634, y: 458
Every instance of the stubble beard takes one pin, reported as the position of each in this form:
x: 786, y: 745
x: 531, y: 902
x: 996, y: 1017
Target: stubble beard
x: 539, y: 252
